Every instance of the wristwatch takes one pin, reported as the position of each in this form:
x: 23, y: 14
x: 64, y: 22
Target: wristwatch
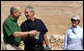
x: 29, y: 33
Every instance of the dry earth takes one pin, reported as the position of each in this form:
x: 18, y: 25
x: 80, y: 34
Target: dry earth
x: 55, y: 14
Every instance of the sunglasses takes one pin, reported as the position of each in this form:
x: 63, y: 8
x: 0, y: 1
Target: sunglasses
x: 73, y: 20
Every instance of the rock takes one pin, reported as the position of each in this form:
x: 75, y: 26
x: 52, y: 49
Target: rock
x: 56, y: 41
x: 21, y: 46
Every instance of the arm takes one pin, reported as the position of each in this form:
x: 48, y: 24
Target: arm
x: 20, y: 34
x: 25, y: 34
x: 44, y: 30
x: 82, y: 38
x: 46, y: 40
x: 11, y: 30
x: 65, y: 42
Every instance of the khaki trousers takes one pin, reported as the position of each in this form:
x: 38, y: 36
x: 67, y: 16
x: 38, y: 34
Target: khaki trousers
x: 7, y: 46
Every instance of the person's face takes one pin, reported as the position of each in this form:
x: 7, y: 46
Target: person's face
x: 28, y: 14
x: 74, y: 22
x: 17, y: 14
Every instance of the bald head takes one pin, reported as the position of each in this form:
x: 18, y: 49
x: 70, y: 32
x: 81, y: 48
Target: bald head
x: 14, y: 9
x: 15, y: 12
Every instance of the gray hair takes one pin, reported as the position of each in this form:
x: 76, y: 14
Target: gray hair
x: 30, y: 8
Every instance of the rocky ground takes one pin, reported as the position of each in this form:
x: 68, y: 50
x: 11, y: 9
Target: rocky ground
x: 55, y: 14
x: 56, y: 42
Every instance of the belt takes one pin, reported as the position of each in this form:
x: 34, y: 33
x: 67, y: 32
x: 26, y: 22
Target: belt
x: 38, y: 45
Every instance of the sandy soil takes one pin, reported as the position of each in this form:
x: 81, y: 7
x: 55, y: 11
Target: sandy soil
x: 55, y: 14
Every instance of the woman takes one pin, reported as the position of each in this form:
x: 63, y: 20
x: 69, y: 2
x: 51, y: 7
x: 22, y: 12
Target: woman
x: 74, y: 35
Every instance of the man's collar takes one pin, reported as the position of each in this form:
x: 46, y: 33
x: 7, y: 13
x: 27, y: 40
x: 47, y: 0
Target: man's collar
x: 31, y: 20
x: 11, y: 17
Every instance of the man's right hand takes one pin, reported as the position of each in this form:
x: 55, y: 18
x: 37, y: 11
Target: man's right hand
x: 33, y: 33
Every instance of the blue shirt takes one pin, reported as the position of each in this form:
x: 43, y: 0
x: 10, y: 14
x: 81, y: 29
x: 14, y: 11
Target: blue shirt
x: 73, y: 39
x: 38, y: 25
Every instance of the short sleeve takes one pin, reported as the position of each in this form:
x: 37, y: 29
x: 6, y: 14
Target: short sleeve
x: 8, y: 28
x: 44, y: 28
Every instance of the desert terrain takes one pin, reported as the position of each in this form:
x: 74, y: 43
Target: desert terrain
x: 55, y: 14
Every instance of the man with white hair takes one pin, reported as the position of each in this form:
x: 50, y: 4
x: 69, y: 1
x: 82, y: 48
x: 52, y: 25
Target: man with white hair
x: 32, y: 23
